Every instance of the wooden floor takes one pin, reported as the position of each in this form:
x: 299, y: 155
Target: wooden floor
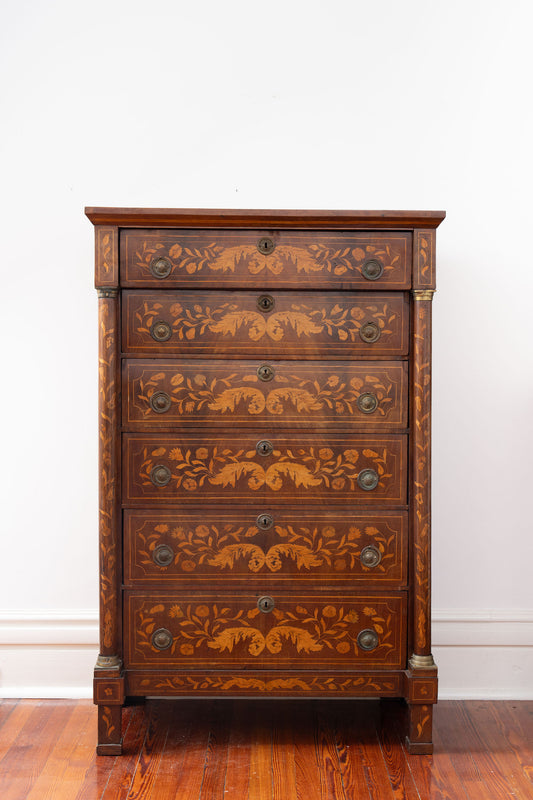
x: 253, y: 750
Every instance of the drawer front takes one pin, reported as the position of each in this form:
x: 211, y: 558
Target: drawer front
x: 231, y: 324
x: 189, y: 548
x: 241, y: 467
x: 282, y: 259
x: 313, y: 393
x: 311, y: 630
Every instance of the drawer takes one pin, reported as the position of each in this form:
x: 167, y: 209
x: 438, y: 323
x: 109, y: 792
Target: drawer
x: 179, y: 548
x: 232, y: 324
x: 267, y: 466
x: 224, y: 630
x: 312, y: 393
x: 282, y: 259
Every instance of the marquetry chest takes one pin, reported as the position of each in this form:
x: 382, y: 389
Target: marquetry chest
x: 264, y: 383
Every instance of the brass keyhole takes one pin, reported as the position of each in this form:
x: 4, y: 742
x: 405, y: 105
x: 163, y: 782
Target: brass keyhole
x: 265, y: 372
x: 264, y: 521
x: 264, y: 448
x: 265, y: 604
x: 265, y: 245
x: 265, y: 303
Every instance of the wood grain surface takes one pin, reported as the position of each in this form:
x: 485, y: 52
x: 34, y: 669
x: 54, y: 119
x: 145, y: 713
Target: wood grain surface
x: 286, y: 750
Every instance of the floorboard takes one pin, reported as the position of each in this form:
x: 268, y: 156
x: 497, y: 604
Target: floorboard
x: 266, y: 750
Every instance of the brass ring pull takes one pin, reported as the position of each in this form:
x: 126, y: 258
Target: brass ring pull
x: 265, y: 303
x: 367, y: 639
x: 372, y: 269
x: 160, y: 402
x: 368, y: 479
x: 367, y: 402
x: 160, y: 475
x: 265, y: 245
x: 265, y: 604
x: 370, y: 556
x: 264, y: 521
x: 161, y: 639
x: 369, y: 332
x: 160, y: 267
x: 161, y: 331
x: 265, y: 372
x: 264, y: 448
x: 163, y: 555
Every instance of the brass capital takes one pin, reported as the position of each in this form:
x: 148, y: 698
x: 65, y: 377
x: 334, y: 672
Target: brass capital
x: 105, y: 292
x: 422, y: 662
x: 108, y: 662
x: 423, y: 294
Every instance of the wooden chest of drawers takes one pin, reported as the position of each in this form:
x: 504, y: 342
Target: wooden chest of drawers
x: 265, y: 457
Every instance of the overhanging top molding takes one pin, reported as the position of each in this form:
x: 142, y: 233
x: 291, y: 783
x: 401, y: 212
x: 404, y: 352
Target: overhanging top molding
x: 220, y: 218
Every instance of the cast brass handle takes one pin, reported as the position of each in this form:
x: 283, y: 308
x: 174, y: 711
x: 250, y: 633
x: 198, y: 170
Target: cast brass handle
x: 160, y: 267
x: 367, y: 639
x: 160, y: 402
x: 368, y: 479
x: 264, y: 448
x: 160, y: 475
x: 372, y: 269
x: 265, y: 372
x: 369, y: 332
x: 265, y: 303
x: 265, y: 245
x: 370, y: 556
x: 161, y: 639
x: 264, y: 521
x: 163, y: 555
x: 160, y: 331
x: 265, y: 604
x: 367, y: 402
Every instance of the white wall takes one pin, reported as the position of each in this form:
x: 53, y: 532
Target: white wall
x: 293, y: 104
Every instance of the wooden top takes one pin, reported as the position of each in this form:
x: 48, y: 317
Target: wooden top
x: 221, y: 218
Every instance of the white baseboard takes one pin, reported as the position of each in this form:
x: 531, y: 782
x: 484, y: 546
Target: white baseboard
x: 480, y: 653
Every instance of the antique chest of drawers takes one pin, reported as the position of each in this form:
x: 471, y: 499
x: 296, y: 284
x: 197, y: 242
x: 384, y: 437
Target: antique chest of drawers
x: 265, y: 385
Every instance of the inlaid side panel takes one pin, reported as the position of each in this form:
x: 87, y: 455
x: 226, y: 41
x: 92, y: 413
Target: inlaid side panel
x: 424, y: 259
x: 310, y: 394
x: 313, y: 630
x: 282, y: 259
x: 197, y: 548
x: 106, y: 257
x: 268, y: 466
x: 240, y: 324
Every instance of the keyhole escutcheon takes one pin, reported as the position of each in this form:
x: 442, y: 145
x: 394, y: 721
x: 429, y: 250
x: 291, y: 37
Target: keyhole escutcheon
x: 264, y: 448
x: 265, y: 245
x: 265, y: 604
x: 265, y: 303
x: 265, y: 372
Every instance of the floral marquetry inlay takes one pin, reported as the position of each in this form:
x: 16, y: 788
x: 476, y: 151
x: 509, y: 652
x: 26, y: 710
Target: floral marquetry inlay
x: 231, y: 319
x: 276, y: 684
x: 317, y: 628
x: 226, y: 256
x: 239, y: 549
x: 234, y: 390
x: 333, y: 320
x: 208, y: 469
